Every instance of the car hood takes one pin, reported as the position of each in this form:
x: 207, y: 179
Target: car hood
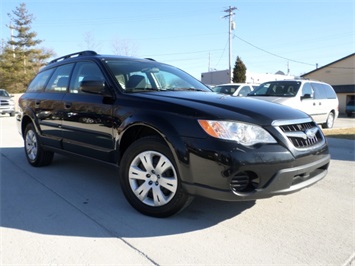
x: 209, y: 105
x: 5, y: 98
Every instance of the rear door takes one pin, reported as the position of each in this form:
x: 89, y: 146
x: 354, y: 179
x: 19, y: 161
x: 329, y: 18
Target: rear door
x: 87, y: 118
x: 48, y: 105
x: 322, y: 102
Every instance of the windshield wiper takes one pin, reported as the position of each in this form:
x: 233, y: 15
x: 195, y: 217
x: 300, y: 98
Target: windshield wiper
x: 252, y: 94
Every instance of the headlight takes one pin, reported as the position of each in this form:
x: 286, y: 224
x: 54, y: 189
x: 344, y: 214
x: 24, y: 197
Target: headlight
x: 243, y: 133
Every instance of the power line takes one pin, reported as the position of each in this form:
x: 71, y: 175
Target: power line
x: 276, y: 55
x: 222, y: 54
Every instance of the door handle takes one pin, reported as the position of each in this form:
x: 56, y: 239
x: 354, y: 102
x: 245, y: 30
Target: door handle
x: 67, y: 105
x: 37, y: 103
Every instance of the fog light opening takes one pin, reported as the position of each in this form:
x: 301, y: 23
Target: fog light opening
x: 244, y: 182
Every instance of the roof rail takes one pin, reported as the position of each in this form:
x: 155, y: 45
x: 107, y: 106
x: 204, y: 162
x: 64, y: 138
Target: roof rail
x: 86, y: 52
x: 151, y: 59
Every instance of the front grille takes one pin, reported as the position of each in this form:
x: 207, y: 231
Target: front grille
x: 4, y: 102
x: 303, y: 135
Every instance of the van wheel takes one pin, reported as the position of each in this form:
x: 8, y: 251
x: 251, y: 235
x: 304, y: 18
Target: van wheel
x: 35, y: 154
x: 330, y: 121
x: 150, y: 180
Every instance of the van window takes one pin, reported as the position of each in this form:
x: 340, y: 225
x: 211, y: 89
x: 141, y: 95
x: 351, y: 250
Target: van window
x: 281, y: 88
x: 323, y: 91
x: 307, y: 89
x: 244, y: 91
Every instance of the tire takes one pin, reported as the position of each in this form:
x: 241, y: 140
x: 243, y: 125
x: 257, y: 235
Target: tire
x: 330, y: 121
x: 35, y: 154
x: 152, y: 189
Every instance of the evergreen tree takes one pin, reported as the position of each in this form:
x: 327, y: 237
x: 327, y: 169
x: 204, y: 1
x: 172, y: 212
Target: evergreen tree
x: 21, y: 59
x: 239, y: 71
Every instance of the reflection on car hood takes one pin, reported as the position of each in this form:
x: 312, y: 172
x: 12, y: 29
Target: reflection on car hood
x: 216, y: 106
x: 270, y: 98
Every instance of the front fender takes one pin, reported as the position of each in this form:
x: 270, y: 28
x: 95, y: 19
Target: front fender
x: 171, y: 128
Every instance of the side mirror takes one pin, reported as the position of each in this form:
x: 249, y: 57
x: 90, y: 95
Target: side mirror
x: 306, y: 96
x: 94, y: 87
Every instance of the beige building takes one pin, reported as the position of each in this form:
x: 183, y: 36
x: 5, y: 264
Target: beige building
x: 341, y: 75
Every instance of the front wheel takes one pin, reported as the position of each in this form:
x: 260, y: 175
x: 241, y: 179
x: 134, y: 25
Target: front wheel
x: 149, y: 179
x: 35, y: 154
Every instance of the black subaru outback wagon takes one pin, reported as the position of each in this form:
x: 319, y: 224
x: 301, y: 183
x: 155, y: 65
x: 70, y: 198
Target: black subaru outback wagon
x: 170, y: 136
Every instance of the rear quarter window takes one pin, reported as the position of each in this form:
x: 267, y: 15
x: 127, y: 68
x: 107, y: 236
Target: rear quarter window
x: 323, y: 91
x: 39, y: 82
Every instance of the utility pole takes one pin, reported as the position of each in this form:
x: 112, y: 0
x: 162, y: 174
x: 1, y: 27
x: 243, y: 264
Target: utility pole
x: 12, y: 38
x: 231, y: 25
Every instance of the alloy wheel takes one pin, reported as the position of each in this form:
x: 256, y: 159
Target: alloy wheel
x: 152, y: 178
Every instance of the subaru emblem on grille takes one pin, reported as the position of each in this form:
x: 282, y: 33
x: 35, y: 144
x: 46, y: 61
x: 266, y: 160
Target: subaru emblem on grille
x: 311, y: 132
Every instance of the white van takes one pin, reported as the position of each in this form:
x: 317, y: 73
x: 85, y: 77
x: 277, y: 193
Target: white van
x: 235, y: 89
x: 318, y: 99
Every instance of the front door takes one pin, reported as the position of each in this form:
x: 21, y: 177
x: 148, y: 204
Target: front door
x: 87, y: 118
x: 308, y: 102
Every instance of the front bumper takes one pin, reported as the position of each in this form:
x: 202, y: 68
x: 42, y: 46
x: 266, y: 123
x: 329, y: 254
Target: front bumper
x: 7, y: 109
x: 271, y: 169
x: 285, y: 181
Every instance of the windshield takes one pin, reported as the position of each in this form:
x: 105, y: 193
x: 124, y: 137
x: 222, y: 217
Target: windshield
x: 226, y: 89
x: 139, y: 75
x: 277, y: 89
x: 4, y: 93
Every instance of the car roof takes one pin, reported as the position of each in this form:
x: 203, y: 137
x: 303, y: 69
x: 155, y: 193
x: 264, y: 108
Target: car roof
x: 295, y: 80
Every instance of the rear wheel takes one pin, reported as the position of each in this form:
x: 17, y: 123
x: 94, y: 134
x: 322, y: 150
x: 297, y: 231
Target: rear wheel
x: 35, y: 154
x: 330, y: 121
x: 149, y: 179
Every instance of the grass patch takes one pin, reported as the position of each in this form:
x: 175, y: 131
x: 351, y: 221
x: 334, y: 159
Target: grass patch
x: 341, y: 133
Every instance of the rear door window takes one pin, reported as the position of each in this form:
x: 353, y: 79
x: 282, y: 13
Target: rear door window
x: 60, y: 79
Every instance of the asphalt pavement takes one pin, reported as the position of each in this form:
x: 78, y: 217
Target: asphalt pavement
x: 73, y: 212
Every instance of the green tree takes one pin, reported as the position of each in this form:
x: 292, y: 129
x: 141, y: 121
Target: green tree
x: 239, y: 71
x: 21, y: 58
